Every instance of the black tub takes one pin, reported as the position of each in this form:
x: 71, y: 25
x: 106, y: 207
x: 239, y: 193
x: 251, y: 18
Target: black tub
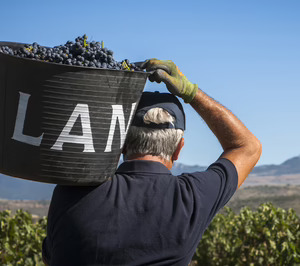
x: 63, y: 124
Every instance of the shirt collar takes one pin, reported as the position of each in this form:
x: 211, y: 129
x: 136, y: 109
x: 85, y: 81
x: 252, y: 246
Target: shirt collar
x: 143, y: 166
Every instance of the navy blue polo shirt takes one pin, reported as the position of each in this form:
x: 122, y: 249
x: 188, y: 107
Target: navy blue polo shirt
x: 142, y: 216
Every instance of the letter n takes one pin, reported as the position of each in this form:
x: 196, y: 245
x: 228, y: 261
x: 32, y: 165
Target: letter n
x: 118, y: 114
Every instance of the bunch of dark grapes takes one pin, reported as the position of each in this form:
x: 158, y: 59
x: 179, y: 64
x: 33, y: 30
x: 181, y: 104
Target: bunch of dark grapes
x: 78, y: 53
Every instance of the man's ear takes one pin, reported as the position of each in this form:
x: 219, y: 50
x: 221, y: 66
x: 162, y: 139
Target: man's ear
x: 178, y: 150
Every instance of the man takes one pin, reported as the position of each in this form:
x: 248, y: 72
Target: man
x: 144, y: 215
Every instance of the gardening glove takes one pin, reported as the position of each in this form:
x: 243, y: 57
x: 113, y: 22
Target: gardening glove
x: 167, y: 72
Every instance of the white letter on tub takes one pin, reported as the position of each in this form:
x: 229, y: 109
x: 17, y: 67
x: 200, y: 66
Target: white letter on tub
x: 19, y: 125
x: 81, y: 110
x: 118, y: 114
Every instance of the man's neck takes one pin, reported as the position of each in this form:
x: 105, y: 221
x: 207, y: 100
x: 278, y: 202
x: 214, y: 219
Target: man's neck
x: 168, y: 164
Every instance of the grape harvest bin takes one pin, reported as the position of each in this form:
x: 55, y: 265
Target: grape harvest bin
x: 63, y: 124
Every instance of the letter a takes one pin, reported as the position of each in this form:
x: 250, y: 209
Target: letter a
x: 118, y: 114
x: 19, y: 125
x: 81, y: 110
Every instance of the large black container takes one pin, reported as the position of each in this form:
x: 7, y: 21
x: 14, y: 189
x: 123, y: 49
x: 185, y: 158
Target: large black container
x: 63, y: 124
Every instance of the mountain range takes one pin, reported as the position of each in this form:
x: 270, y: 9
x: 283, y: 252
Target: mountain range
x: 15, y: 188
x: 288, y: 167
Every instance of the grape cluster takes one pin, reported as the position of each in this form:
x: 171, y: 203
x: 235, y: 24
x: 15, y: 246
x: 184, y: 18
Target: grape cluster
x: 78, y: 53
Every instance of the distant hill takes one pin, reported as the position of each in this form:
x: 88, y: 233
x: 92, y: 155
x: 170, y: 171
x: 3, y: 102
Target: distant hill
x: 15, y: 188
x: 180, y: 168
x: 289, y: 167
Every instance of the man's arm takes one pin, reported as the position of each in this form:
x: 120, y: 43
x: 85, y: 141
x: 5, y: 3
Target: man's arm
x: 240, y: 146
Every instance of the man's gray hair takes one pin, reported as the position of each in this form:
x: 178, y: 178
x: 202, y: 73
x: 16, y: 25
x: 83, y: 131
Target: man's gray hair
x: 149, y: 141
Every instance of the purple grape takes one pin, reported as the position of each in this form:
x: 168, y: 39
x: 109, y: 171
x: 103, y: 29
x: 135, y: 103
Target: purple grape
x: 78, y: 53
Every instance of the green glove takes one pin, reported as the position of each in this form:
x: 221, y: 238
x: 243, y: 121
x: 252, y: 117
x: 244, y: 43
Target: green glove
x: 167, y: 72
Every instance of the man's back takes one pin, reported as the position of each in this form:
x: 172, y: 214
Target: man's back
x: 143, y: 216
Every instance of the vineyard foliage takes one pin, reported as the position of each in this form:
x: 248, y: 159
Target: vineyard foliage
x: 268, y: 236
x: 21, y: 239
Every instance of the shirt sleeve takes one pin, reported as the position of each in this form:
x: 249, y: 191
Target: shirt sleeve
x: 227, y: 180
x: 213, y: 188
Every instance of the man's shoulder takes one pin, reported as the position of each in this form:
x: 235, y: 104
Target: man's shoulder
x: 222, y: 166
x: 219, y: 179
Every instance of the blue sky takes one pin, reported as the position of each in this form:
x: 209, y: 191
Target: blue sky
x: 245, y: 54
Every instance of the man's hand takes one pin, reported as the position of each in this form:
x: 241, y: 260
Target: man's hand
x: 167, y: 72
